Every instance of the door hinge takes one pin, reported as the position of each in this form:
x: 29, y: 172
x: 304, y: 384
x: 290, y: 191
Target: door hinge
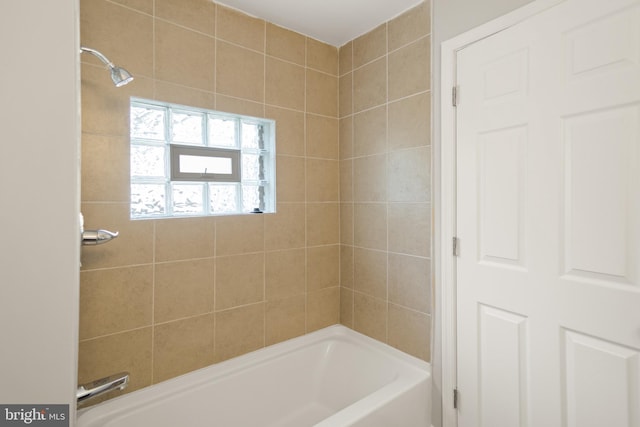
x: 454, y: 96
x: 455, y: 245
x: 455, y: 398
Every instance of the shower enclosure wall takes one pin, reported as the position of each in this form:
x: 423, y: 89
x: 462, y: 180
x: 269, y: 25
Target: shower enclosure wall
x: 350, y: 240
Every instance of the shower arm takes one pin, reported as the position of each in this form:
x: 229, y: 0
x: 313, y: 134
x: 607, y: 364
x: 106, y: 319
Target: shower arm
x: 100, y: 56
x: 119, y: 75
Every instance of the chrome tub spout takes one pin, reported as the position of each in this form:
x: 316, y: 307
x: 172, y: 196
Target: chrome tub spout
x: 102, y: 386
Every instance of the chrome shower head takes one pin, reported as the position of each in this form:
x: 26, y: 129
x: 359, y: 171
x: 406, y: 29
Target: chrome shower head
x: 119, y: 75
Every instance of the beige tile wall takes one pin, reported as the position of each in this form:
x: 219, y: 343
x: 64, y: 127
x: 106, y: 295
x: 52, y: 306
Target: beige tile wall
x: 385, y: 181
x: 169, y: 296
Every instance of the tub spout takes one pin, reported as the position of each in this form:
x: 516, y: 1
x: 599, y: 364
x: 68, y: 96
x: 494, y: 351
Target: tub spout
x: 101, y: 386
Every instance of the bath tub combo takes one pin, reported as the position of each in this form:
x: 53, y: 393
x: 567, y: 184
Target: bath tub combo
x: 333, y: 377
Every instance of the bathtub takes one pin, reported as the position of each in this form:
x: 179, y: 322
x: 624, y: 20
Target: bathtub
x: 333, y: 377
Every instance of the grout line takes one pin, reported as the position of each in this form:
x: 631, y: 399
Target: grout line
x: 139, y: 328
x: 215, y: 56
x: 340, y: 218
x: 309, y: 157
x: 353, y: 220
x: 184, y: 27
x: 264, y: 220
x: 133, y: 9
x: 153, y: 51
x: 355, y: 291
x: 387, y: 52
x: 117, y: 267
x: 153, y: 296
x: 398, y: 150
x: 386, y: 177
x: 355, y: 113
x: 215, y: 282
x: 224, y: 310
x: 306, y: 203
x: 264, y: 68
x: 155, y: 262
x: 305, y: 65
x: 180, y: 319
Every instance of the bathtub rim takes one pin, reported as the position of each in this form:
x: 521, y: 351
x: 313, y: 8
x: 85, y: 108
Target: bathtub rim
x: 164, y: 390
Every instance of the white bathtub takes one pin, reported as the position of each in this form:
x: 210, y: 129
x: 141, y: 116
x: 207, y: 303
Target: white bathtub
x: 333, y: 377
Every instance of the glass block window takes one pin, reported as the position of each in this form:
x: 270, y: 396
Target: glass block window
x: 189, y: 161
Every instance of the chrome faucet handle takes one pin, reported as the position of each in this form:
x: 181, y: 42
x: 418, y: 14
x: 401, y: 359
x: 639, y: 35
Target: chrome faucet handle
x: 98, y: 237
x: 102, y: 386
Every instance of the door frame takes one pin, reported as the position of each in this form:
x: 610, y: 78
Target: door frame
x: 446, y: 269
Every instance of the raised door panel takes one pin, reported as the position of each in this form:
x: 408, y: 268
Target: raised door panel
x: 601, y: 381
x: 503, y: 386
x: 600, y: 185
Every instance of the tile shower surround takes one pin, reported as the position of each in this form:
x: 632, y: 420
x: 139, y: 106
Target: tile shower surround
x: 385, y: 182
x: 173, y: 295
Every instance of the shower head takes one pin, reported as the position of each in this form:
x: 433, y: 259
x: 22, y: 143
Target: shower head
x: 120, y: 76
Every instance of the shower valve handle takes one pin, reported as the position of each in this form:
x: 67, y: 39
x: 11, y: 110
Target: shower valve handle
x: 97, y: 237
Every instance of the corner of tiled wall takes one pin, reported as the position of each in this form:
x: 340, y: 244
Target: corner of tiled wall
x: 385, y: 182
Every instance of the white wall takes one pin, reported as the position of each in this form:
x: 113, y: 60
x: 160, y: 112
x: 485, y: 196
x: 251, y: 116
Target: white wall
x: 451, y: 18
x: 39, y: 201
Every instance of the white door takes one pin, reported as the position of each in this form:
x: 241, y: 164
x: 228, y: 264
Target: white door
x: 548, y: 220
